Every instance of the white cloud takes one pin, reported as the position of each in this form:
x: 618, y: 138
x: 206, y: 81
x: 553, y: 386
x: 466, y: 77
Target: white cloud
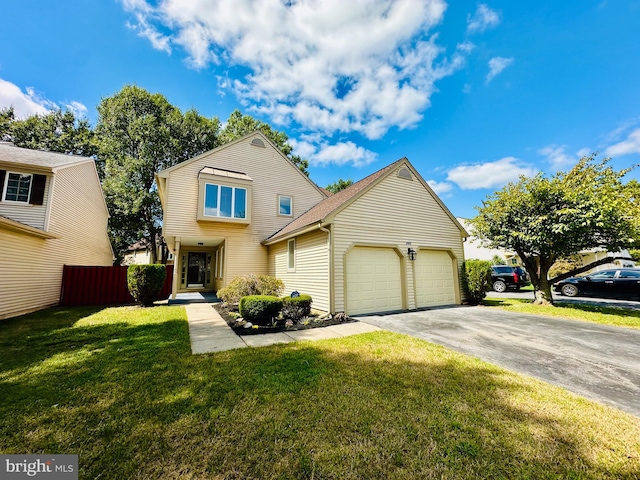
x: 626, y: 147
x: 330, y: 66
x: 148, y: 31
x: 483, y: 19
x: 557, y: 157
x: 496, y: 66
x: 440, y: 188
x: 341, y: 153
x: 490, y: 174
x: 24, y: 104
x: 584, y: 152
x: 78, y: 109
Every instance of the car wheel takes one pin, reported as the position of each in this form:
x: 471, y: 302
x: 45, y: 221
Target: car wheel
x: 570, y: 290
x: 499, y: 286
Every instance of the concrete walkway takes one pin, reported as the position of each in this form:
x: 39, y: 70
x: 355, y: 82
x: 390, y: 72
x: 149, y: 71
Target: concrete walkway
x: 210, y: 333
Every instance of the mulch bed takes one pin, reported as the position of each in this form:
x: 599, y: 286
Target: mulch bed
x: 240, y: 328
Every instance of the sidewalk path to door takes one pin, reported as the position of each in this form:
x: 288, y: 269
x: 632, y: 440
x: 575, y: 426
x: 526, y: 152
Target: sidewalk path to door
x: 210, y: 333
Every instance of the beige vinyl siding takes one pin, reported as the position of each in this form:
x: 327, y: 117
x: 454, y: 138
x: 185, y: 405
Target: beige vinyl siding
x: 272, y: 175
x: 311, y: 273
x: 31, y: 268
x: 29, y: 279
x: 392, y: 213
x: 32, y: 215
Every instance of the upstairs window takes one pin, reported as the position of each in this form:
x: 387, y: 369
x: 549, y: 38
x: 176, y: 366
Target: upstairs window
x: 18, y: 187
x: 226, y: 202
x: 224, y: 196
x: 22, y: 187
x: 285, y: 206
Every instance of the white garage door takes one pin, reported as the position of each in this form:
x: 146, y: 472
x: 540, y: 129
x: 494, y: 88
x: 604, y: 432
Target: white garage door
x: 434, y: 279
x: 374, y: 282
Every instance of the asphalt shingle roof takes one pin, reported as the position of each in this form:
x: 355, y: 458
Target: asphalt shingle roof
x: 12, y: 154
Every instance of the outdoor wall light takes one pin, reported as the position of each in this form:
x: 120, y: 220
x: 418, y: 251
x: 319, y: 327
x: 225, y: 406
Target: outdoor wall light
x: 412, y: 253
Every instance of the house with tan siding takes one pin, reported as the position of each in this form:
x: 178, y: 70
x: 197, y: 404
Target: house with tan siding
x: 52, y: 213
x: 386, y: 243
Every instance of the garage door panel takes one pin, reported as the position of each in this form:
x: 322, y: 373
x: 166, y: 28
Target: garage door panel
x: 434, y: 276
x: 373, y: 280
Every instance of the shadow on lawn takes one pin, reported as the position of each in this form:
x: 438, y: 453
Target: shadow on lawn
x: 133, y: 402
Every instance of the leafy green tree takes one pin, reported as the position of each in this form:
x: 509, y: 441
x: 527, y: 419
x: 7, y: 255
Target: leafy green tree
x: 498, y: 260
x: 7, y: 117
x: 55, y: 131
x: 338, y: 185
x: 139, y: 134
x: 239, y: 125
x: 544, y: 219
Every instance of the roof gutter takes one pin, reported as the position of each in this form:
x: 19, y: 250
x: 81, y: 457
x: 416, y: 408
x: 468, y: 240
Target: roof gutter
x: 316, y: 226
x: 14, y: 226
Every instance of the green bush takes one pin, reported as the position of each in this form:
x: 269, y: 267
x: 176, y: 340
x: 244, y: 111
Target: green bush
x: 296, y: 308
x: 250, y: 285
x: 145, y: 282
x: 260, y: 308
x: 476, y: 280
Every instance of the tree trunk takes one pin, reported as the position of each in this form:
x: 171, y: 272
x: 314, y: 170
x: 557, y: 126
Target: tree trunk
x: 542, y: 287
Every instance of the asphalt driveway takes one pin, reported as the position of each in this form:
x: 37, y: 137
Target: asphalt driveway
x: 592, y: 360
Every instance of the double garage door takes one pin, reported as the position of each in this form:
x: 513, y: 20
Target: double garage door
x: 374, y: 282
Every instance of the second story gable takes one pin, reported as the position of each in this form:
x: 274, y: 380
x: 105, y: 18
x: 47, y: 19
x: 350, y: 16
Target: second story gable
x: 246, y: 185
x: 26, y: 183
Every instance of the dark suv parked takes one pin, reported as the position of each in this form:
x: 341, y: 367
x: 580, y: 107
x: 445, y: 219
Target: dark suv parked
x: 504, y: 277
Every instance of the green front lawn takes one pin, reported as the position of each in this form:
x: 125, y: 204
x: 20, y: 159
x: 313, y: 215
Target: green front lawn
x: 619, y: 317
x: 120, y: 388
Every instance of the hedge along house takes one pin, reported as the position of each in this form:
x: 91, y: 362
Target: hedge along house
x: 52, y: 213
x: 386, y: 243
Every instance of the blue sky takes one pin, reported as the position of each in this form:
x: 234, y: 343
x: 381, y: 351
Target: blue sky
x: 473, y: 94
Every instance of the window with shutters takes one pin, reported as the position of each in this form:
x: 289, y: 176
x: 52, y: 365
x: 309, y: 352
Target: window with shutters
x: 21, y: 187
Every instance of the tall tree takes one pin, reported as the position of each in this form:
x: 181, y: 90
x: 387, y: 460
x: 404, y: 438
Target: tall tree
x: 239, y: 125
x: 139, y: 134
x: 338, y: 185
x: 544, y: 219
x: 56, y: 131
x: 7, y: 117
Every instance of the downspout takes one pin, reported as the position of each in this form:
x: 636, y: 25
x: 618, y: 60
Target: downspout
x: 331, y: 280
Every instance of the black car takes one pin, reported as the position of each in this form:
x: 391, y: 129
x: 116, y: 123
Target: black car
x: 619, y: 282
x: 504, y: 277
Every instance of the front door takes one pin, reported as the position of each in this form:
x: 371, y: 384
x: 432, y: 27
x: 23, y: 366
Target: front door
x: 196, y: 269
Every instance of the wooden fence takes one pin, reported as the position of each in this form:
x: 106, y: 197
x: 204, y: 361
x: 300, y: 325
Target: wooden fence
x: 101, y: 286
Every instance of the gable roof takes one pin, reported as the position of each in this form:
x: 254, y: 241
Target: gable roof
x: 9, y: 153
x: 331, y: 205
x: 165, y: 173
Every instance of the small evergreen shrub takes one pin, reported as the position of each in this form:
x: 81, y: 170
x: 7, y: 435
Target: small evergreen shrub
x: 476, y: 280
x: 260, y: 308
x: 296, y: 308
x: 250, y: 285
x: 145, y: 282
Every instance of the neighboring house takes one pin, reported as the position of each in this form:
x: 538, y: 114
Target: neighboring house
x: 52, y: 213
x: 473, y: 248
x: 140, y: 253
x: 245, y: 208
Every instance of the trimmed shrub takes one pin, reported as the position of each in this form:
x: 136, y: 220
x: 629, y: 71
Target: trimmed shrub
x: 250, y: 285
x: 260, y: 308
x: 476, y: 280
x: 296, y: 308
x: 145, y: 282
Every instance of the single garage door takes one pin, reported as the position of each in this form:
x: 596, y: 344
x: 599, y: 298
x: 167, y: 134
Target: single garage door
x: 435, y: 283
x: 374, y: 282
